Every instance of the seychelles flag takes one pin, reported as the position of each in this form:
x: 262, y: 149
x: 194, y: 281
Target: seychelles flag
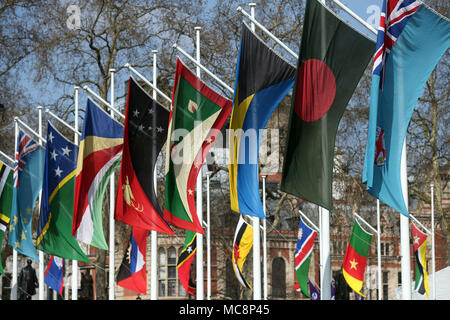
x: 411, y: 40
x: 305, y: 244
x: 54, y: 274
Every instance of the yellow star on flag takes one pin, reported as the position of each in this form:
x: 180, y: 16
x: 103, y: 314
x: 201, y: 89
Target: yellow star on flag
x: 23, y: 236
x: 353, y: 264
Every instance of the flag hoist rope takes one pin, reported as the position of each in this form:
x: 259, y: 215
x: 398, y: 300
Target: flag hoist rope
x: 112, y: 224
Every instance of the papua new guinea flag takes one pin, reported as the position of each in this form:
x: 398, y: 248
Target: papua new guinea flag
x: 262, y: 80
x: 145, y: 133
x: 99, y: 154
x: 54, y: 274
x: 242, y: 244
x: 421, y: 284
x: 54, y: 235
x: 132, y: 273
x: 196, y: 117
x: 27, y: 183
x: 185, y: 262
x: 305, y: 245
x: 355, y: 259
x: 411, y: 40
x: 6, y: 197
x: 333, y: 57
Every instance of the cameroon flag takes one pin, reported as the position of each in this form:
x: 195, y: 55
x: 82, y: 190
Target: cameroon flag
x: 355, y: 258
x: 333, y: 57
x: 195, y: 119
x: 6, y: 195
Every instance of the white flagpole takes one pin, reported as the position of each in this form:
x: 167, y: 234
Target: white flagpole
x: 404, y: 233
x: 75, y: 262
x: 256, y: 232
x: 379, y: 250
x: 325, y: 272
x: 199, y: 199
x: 14, y: 266
x: 41, y: 254
x: 433, y: 258
x: 208, y: 239
x: 154, y: 234
x: 265, y: 287
x: 112, y: 224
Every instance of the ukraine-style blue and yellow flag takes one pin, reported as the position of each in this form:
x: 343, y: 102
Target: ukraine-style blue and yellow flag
x: 262, y: 80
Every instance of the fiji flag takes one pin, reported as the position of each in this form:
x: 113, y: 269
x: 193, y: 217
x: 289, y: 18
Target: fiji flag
x: 305, y: 244
x: 54, y: 274
x: 27, y: 182
x: 133, y: 272
x: 411, y: 40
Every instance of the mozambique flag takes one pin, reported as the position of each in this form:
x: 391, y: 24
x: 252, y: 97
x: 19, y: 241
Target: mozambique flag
x: 27, y: 183
x: 242, y: 244
x: 144, y: 135
x: 420, y: 251
x: 333, y: 57
x: 132, y: 273
x: 185, y: 262
x: 262, y: 80
x: 6, y: 196
x: 196, y: 117
x: 355, y: 258
x: 56, y: 214
x: 99, y: 154
x: 305, y: 245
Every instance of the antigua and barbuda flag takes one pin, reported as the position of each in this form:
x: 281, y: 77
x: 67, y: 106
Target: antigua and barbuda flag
x: 411, y: 40
x: 132, y: 273
x: 54, y: 274
x: 100, y: 152
x: 305, y: 245
x: 421, y: 284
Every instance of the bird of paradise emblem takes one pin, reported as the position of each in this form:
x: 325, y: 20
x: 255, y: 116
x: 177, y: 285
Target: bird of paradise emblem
x: 129, y: 197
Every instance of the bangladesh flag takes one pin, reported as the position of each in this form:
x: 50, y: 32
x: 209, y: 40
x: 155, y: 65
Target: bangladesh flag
x: 355, y: 258
x: 196, y: 117
x: 58, y: 189
x: 6, y: 196
x: 333, y: 57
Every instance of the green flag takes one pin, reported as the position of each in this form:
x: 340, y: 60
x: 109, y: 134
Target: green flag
x: 333, y: 57
x: 58, y: 189
x: 195, y: 119
x: 6, y: 195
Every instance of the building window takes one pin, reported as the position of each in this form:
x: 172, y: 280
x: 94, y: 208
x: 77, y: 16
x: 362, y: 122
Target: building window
x: 385, y: 285
x: 278, y: 278
x: 169, y: 285
x: 384, y: 249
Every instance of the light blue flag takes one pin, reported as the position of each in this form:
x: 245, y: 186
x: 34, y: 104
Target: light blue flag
x: 401, y: 69
x: 27, y: 181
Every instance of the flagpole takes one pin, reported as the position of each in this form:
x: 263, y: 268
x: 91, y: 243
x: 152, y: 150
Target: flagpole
x: 208, y: 239
x: 75, y: 262
x: 379, y: 249
x: 265, y: 293
x: 14, y: 271
x: 154, y: 234
x: 112, y: 224
x: 404, y: 232
x: 41, y: 254
x: 199, y: 199
x: 433, y: 258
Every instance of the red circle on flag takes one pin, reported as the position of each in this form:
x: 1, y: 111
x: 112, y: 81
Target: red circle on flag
x: 316, y: 90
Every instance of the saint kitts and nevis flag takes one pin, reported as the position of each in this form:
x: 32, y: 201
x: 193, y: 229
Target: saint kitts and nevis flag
x: 421, y: 284
x: 196, y: 117
x: 54, y: 234
x: 145, y: 133
x: 185, y: 262
x: 27, y: 183
x: 54, y: 274
x: 132, y: 273
x: 242, y: 244
x: 99, y: 154
x: 262, y: 80
x: 305, y: 244
x: 333, y: 57
x: 355, y: 259
x: 411, y: 40
x: 6, y: 196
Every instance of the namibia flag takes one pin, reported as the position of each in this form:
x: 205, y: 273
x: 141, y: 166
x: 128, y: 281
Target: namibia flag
x: 332, y: 59
x: 262, y: 80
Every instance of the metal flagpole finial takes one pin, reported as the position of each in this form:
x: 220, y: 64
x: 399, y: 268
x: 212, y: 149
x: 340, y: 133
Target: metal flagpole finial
x: 198, y: 28
x: 252, y: 4
x: 154, y: 51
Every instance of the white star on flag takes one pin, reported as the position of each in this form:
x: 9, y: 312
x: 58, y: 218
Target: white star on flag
x: 136, y: 113
x: 58, y: 172
x: 66, y: 151
x: 53, y: 155
x: 189, y: 249
x: 50, y: 137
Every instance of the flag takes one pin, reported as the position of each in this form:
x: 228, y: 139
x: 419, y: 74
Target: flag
x: 355, y: 258
x: 132, y: 273
x: 6, y: 196
x: 27, y: 183
x: 333, y: 57
x: 262, y: 80
x: 54, y: 274
x: 400, y: 72
x: 99, y: 154
x: 185, y: 261
x: 420, y: 251
x: 305, y: 244
x: 196, y: 117
x: 315, y: 293
x: 242, y: 244
x: 56, y: 214
x: 145, y: 133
